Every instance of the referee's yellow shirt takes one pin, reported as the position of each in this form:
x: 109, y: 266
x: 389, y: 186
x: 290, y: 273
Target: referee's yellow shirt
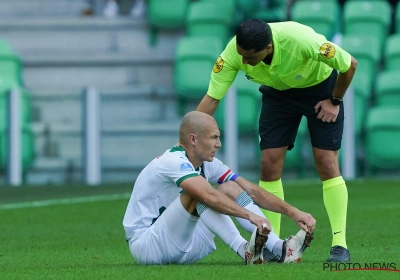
x: 302, y: 58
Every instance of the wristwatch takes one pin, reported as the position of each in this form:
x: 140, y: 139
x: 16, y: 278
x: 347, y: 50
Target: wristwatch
x: 335, y: 100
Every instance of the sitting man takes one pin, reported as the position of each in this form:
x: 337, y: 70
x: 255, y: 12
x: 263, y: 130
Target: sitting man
x: 174, y: 213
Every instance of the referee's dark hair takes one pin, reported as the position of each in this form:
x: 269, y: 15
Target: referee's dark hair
x: 254, y: 34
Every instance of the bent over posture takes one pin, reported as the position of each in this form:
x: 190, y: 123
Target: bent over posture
x: 174, y: 213
x: 301, y: 74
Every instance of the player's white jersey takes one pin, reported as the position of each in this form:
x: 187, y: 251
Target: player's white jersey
x: 158, y: 185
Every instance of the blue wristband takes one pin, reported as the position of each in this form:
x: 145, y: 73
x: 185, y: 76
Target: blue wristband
x: 233, y: 177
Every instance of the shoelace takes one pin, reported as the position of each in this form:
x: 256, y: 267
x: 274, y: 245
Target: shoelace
x: 268, y: 256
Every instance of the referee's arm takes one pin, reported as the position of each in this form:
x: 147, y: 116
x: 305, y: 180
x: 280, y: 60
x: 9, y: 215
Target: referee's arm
x: 344, y: 79
x: 208, y: 105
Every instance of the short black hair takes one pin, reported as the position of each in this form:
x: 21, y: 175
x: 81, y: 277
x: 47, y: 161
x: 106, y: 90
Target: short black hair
x: 254, y: 34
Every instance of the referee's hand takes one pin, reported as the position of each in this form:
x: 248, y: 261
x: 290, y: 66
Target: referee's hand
x: 326, y: 112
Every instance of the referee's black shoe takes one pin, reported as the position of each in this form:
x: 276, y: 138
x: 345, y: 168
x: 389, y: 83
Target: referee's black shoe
x: 339, y: 254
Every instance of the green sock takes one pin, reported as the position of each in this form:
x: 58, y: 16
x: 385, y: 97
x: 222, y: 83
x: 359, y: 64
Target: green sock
x: 335, y: 200
x: 276, y: 188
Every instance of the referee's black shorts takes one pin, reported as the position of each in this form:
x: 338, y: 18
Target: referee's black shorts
x: 282, y: 111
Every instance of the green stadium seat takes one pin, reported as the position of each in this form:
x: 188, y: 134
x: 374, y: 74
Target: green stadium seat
x: 322, y: 16
x: 10, y: 71
x: 366, y: 49
x: 247, y: 7
x: 162, y: 14
x: 28, y: 148
x: 248, y: 106
x: 167, y: 14
x: 5, y: 47
x: 194, y: 60
x: 388, y: 88
x: 392, y: 52
x: 367, y: 17
x: 206, y: 18
x: 382, y: 138
x: 28, y: 139
x: 362, y: 98
x: 397, y: 18
x: 226, y: 6
x: 274, y: 11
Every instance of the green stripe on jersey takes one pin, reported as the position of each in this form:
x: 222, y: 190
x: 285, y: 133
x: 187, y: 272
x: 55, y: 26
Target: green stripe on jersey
x: 177, y: 149
x: 185, y: 177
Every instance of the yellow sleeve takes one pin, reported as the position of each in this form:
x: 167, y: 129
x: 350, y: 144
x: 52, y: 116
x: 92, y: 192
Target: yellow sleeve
x: 334, y: 56
x: 329, y: 53
x: 224, y: 71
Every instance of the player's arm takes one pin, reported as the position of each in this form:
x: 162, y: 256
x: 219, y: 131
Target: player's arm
x: 203, y: 192
x: 271, y: 202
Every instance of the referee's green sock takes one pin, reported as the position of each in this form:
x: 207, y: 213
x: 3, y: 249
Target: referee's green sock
x: 276, y: 188
x: 335, y: 200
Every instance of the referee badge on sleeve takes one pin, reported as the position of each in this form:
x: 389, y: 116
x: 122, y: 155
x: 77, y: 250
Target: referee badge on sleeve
x: 327, y: 50
x: 219, y: 64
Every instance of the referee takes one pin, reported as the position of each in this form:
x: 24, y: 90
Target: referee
x: 301, y: 74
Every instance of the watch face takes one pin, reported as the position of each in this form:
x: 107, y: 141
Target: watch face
x: 335, y: 101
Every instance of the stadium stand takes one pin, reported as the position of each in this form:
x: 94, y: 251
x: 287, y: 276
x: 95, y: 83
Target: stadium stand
x: 194, y: 59
x: 368, y: 57
x: 392, y: 52
x: 367, y: 17
x: 205, y: 18
x: 382, y: 137
x: 248, y: 106
x: 169, y: 14
x: 388, y: 88
x: 11, y: 78
x: 227, y: 6
x: 362, y: 100
x: 397, y: 18
x: 138, y: 79
x: 271, y: 11
x: 322, y: 16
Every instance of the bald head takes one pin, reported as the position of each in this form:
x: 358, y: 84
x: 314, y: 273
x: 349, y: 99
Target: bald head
x: 197, y: 123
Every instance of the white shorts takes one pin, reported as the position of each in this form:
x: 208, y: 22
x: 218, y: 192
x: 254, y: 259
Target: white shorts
x: 176, y: 237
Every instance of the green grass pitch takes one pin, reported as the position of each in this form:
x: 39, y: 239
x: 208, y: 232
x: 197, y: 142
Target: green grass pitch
x: 85, y: 240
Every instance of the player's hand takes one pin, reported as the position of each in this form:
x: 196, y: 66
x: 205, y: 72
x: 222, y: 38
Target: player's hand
x: 326, y: 111
x: 263, y: 225
x: 305, y: 220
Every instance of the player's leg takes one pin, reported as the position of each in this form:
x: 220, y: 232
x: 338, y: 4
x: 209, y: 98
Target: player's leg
x: 169, y: 238
x: 276, y: 249
x: 223, y: 227
x: 162, y: 243
x: 236, y: 193
x: 278, y: 126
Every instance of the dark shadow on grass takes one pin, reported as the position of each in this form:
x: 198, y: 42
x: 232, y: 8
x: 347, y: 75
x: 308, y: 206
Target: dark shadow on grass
x: 133, y: 264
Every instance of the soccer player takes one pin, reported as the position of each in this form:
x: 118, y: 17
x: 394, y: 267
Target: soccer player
x: 174, y: 213
x: 298, y: 70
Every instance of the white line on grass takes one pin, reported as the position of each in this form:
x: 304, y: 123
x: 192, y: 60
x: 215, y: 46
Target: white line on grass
x: 49, y: 202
